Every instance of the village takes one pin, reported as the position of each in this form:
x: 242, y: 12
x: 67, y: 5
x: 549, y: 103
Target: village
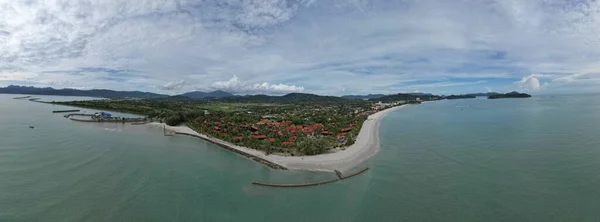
x: 299, y: 130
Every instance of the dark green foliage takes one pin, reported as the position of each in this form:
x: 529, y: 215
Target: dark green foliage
x: 510, y: 95
x: 460, y: 97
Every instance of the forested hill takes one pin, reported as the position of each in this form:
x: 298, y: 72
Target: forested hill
x: 370, y: 96
x: 202, y: 95
x: 405, y: 97
x: 289, y: 99
x: 104, y: 93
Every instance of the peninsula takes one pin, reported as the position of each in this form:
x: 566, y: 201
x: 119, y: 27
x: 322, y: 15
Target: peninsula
x: 294, y: 131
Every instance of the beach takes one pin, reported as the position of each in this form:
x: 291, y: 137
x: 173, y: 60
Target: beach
x: 365, y: 146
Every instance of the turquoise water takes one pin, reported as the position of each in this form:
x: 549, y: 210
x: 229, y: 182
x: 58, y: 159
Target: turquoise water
x: 465, y: 160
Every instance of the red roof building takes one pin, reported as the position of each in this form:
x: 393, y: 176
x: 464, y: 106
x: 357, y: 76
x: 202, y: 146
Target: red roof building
x: 254, y: 127
x: 260, y: 137
x: 345, y: 130
x: 272, y: 140
x: 238, y: 138
x: 263, y: 121
x: 325, y: 132
x: 288, y: 143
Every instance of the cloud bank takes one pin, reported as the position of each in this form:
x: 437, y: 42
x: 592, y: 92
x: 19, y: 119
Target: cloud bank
x: 235, y: 85
x: 173, y: 85
x: 326, y: 47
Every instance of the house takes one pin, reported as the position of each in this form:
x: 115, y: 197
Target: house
x: 260, y: 137
x: 263, y: 121
x: 326, y: 133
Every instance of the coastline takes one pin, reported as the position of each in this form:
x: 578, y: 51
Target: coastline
x: 365, y: 146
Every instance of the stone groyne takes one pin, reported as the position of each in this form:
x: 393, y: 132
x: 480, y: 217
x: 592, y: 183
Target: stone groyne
x: 250, y: 156
x: 309, y: 183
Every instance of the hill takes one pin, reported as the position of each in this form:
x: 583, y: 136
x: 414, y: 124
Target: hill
x: 370, y: 96
x: 482, y: 94
x: 286, y: 99
x: 467, y: 96
x: 104, y: 93
x: 202, y: 95
x: 406, y: 97
x: 512, y: 94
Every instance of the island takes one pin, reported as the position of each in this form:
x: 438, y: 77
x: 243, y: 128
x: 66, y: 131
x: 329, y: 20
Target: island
x: 460, y: 97
x: 512, y: 94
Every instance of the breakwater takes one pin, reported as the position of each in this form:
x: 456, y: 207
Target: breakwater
x: 309, y: 183
x: 78, y: 114
x: 109, y: 120
x: 250, y: 156
x: 66, y: 111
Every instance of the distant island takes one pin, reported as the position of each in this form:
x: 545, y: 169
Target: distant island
x: 460, y: 97
x: 513, y: 94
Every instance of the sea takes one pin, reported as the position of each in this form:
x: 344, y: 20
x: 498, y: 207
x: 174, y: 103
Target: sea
x: 535, y: 159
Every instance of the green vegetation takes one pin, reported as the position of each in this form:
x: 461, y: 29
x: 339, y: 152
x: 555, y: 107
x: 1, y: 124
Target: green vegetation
x: 294, y: 124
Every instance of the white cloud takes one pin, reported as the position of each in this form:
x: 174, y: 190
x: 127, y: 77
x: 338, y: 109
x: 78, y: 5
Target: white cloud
x: 173, y: 85
x: 361, y: 46
x: 235, y: 85
x: 531, y: 82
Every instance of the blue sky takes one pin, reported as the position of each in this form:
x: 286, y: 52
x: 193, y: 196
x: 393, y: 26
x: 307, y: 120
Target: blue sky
x: 333, y: 47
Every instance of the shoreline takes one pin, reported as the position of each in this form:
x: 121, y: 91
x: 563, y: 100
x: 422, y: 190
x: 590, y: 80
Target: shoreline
x: 365, y: 147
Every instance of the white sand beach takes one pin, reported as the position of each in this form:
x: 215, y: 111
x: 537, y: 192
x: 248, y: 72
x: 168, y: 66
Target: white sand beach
x: 366, y: 145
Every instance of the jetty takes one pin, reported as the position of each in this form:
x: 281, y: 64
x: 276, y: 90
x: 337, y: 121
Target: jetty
x: 77, y: 114
x: 309, y: 183
x: 22, y: 97
x: 66, y: 111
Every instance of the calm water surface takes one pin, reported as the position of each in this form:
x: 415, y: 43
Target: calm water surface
x: 466, y: 160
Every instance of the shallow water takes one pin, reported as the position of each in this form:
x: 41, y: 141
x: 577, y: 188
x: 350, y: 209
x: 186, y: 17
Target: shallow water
x: 467, y: 160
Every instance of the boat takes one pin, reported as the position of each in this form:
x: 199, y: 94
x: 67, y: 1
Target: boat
x: 31, y: 127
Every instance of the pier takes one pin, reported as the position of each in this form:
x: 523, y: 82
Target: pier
x: 66, y: 111
x: 309, y: 183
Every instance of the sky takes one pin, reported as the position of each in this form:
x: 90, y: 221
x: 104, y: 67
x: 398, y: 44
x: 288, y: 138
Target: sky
x: 333, y: 47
